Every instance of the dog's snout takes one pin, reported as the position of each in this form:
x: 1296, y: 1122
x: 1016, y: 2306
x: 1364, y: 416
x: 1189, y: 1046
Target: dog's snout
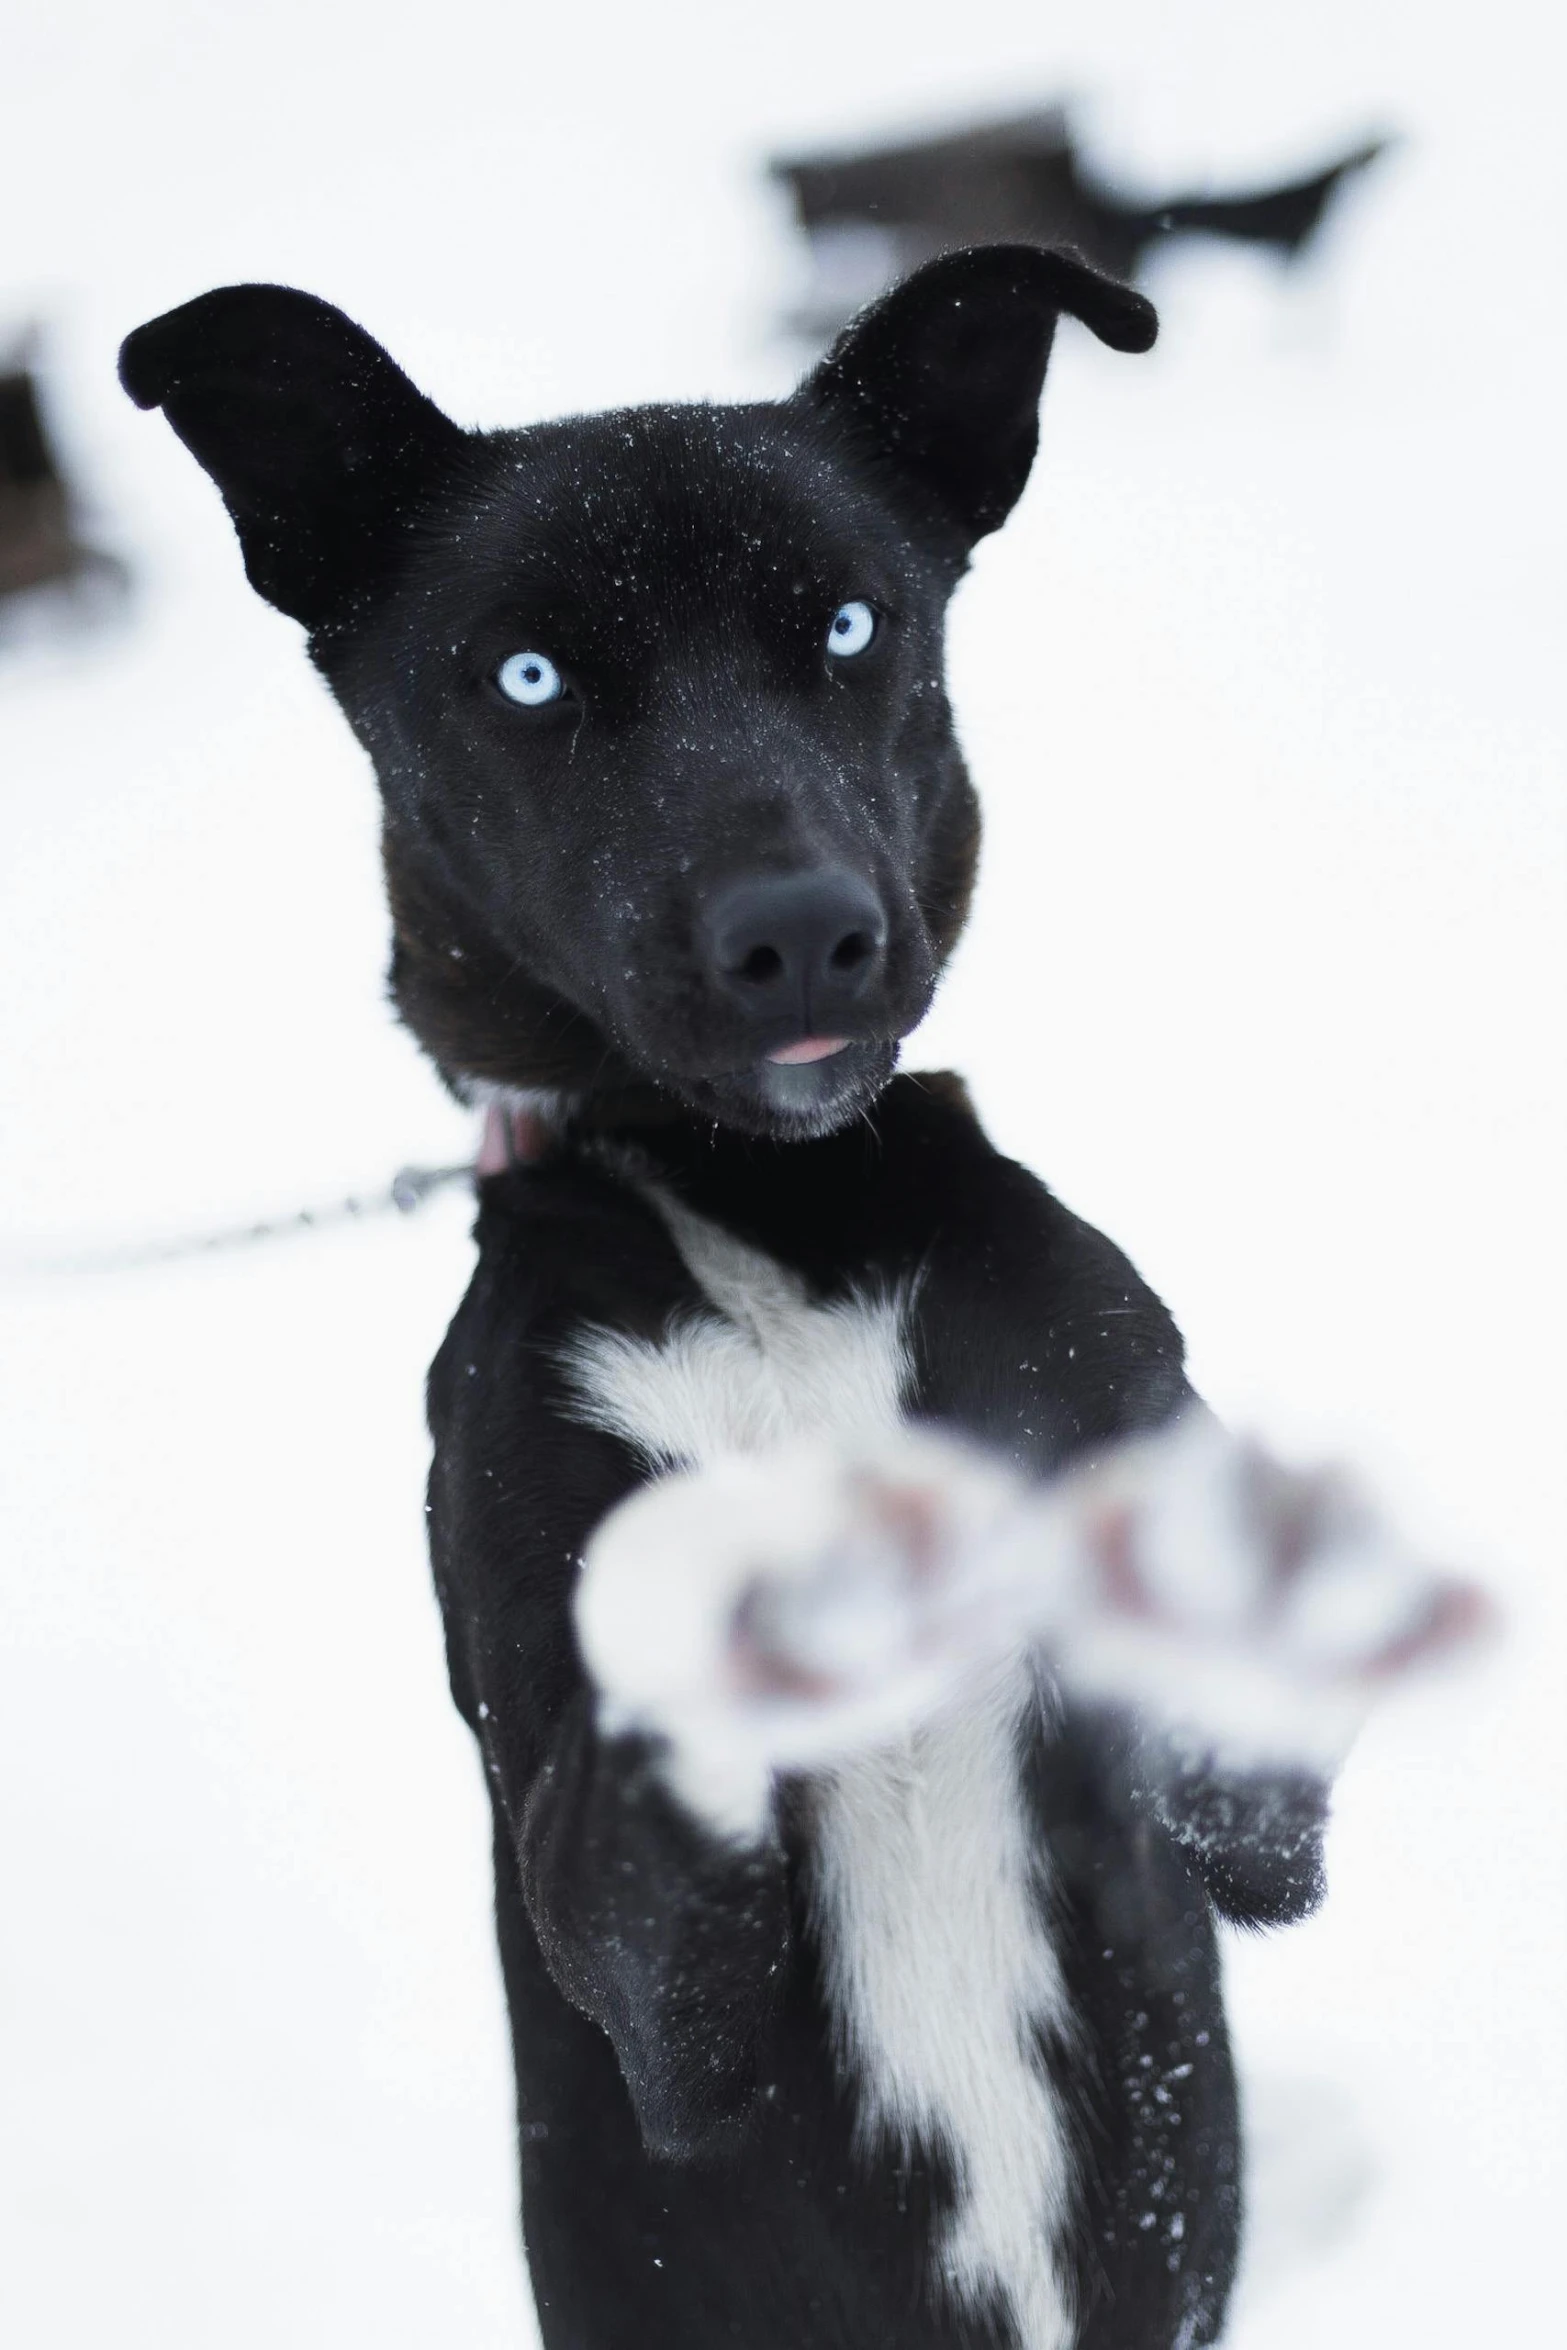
x: 796, y: 947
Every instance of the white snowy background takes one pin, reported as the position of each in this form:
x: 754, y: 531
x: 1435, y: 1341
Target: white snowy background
x: 1262, y: 689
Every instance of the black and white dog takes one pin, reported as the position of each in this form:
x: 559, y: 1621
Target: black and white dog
x: 874, y: 1738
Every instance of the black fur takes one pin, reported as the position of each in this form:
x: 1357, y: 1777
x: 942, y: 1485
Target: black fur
x: 690, y: 2172
x: 695, y: 2120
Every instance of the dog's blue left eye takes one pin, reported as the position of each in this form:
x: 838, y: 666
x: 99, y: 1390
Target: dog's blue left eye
x: 851, y: 629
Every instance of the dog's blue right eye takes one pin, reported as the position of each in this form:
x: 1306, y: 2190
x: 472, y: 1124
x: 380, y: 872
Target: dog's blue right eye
x: 529, y: 678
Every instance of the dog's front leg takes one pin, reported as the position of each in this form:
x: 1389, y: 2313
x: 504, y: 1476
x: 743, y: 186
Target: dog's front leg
x: 774, y: 1614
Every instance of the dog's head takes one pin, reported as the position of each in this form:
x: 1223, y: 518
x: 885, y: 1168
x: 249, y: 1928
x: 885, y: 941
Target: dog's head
x: 655, y: 698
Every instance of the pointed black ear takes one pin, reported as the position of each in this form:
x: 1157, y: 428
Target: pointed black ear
x: 319, y: 443
x: 942, y: 376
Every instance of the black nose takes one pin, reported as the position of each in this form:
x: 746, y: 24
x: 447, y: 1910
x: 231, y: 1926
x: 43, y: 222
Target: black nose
x: 797, y: 948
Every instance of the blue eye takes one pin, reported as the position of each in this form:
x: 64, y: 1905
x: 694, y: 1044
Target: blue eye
x: 851, y: 629
x: 529, y: 678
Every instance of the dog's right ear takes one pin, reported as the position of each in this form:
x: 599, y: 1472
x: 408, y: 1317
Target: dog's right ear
x: 321, y: 446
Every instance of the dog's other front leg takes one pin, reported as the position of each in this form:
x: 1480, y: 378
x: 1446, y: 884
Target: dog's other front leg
x: 669, y: 1932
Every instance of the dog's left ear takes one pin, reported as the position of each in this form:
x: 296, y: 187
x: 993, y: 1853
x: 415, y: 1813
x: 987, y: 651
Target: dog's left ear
x: 941, y: 378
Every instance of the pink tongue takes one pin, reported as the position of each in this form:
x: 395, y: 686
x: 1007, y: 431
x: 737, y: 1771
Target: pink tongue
x: 810, y: 1048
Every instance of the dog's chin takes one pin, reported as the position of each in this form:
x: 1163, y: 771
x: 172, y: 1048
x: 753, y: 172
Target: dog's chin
x: 792, y: 1102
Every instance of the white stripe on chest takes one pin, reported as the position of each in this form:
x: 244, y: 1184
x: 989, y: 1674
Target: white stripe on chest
x: 938, y: 1967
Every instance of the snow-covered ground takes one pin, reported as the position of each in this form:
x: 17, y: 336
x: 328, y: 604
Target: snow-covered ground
x: 1262, y: 687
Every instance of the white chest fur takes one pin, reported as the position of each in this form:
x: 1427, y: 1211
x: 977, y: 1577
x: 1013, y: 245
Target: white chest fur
x: 941, y: 1976
x: 939, y: 1970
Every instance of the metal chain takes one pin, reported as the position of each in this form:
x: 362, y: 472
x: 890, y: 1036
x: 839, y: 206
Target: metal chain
x: 408, y: 1190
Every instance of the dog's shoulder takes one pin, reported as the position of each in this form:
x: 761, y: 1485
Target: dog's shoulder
x: 1034, y: 1330
x: 518, y: 1479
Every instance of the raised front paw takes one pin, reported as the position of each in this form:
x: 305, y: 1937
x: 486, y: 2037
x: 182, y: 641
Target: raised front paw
x: 784, y: 1609
x: 1260, y: 1605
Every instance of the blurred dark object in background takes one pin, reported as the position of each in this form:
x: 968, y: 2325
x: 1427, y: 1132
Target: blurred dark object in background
x: 40, y: 548
x: 873, y: 216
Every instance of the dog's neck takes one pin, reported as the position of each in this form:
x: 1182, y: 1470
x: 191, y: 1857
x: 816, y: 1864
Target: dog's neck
x: 522, y: 1124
